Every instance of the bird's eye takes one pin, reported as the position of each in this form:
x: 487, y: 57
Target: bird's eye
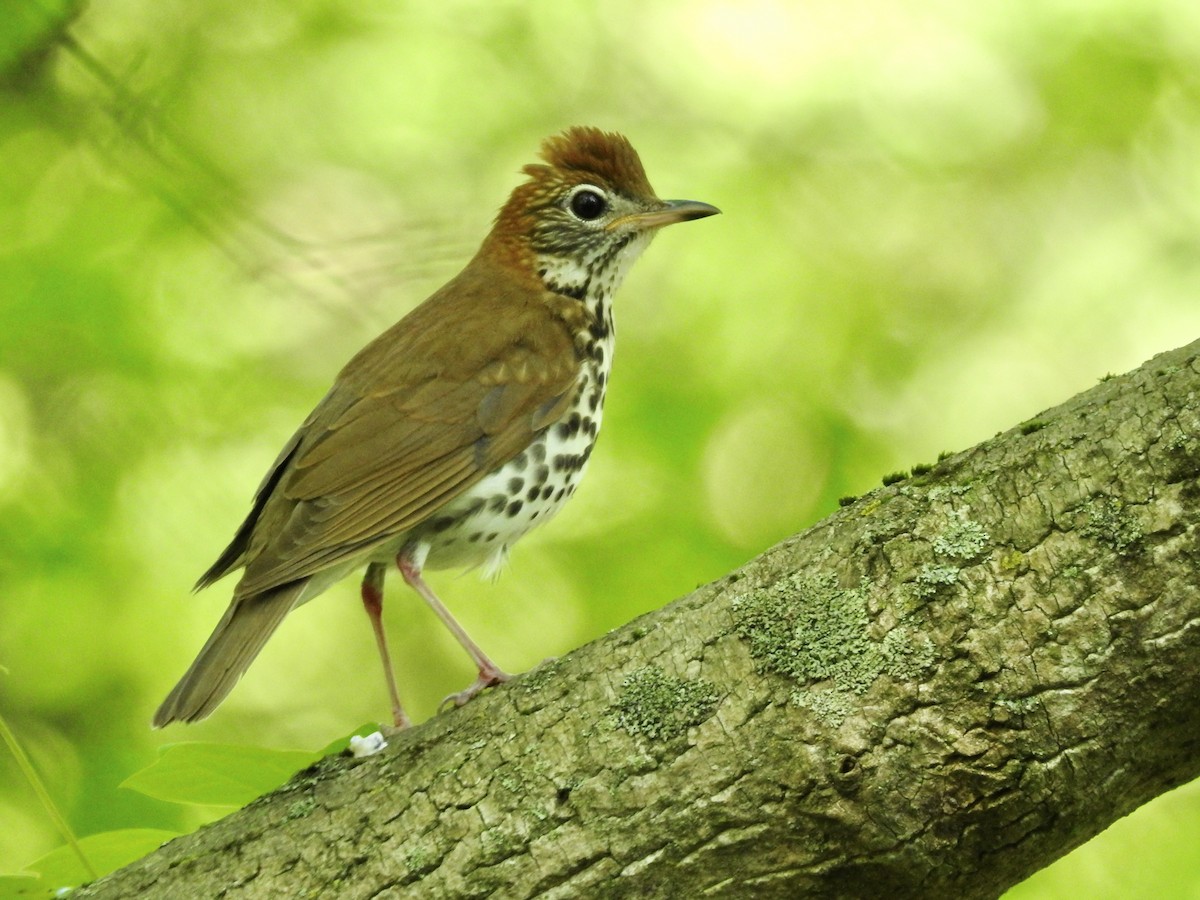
x: 588, y: 204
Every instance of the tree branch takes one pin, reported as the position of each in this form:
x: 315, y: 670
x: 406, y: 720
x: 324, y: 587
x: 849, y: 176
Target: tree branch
x: 940, y: 688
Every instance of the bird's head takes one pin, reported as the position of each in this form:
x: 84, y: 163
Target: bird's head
x: 587, y: 212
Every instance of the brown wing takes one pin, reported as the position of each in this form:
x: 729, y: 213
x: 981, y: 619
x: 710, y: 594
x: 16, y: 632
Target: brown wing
x: 447, y: 395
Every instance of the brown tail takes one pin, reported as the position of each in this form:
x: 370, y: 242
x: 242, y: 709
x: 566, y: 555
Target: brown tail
x: 237, y: 639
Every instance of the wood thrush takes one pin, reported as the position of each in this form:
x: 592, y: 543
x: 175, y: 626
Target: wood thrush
x: 457, y: 430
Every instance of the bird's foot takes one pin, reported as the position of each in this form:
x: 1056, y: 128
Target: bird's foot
x: 400, y: 721
x: 487, y: 678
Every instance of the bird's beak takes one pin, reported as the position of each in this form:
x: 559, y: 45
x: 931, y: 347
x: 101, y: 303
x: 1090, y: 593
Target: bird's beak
x: 669, y: 213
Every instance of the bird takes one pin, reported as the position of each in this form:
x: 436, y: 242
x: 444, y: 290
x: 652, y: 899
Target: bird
x: 456, y: 431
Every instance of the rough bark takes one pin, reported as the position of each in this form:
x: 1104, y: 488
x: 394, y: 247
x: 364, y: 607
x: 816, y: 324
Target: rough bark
x: 934, y: 692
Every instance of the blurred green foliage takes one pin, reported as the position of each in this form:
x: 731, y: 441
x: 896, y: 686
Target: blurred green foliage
x: 940, y: 219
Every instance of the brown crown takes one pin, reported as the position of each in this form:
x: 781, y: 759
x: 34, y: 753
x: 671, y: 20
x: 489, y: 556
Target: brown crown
x: 604, y: 155
x: 580, y: 155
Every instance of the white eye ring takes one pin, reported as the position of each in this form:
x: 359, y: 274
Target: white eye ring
x: 587, y: 202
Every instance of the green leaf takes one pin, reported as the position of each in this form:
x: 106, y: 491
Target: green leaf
x: 107, y: 851
x: 39, y: 788
x: 217, y: 774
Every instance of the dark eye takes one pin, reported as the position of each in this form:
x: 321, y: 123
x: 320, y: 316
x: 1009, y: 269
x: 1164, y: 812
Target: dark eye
x: 588, y: 204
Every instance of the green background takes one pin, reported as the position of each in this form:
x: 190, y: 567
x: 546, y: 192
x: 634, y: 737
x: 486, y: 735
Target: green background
x: 939, y: 219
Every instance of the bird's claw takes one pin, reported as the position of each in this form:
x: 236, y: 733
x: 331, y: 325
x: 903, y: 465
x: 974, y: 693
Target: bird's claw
x: 485, y: 680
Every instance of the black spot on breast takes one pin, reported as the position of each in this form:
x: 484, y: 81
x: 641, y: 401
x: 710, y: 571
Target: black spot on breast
x: 497, y: 503
x: 547, y: 491
x: 441, y: 523
x: 515, y: 485
x: 513, y: 508
x: 538, y: 452
x: 569, y: 427
x: 533, y: 494
x: 569, y: 462
x: 519, y: 461
x: 542, y: 473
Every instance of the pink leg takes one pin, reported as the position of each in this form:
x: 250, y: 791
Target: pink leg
x: 489, y: 672
x: 372, y: 598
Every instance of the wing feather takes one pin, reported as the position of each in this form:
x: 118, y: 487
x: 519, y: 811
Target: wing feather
x: 419, y: 416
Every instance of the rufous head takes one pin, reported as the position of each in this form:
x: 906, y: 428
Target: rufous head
x: 589, y: 206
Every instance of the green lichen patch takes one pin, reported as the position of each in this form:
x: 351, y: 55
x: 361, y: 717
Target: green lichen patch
x: 907, y: 654
x: 542, y: 674
x: 808, y: 629
x: 1018, y: 705
x: 659, y: 706
x: 1108, y: 522
x: 962, y: 539
x: 301, y: 808
x: 1012, y: 560
x: 830, y: 706
x: 419, y: 860
x: 930, y: 579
